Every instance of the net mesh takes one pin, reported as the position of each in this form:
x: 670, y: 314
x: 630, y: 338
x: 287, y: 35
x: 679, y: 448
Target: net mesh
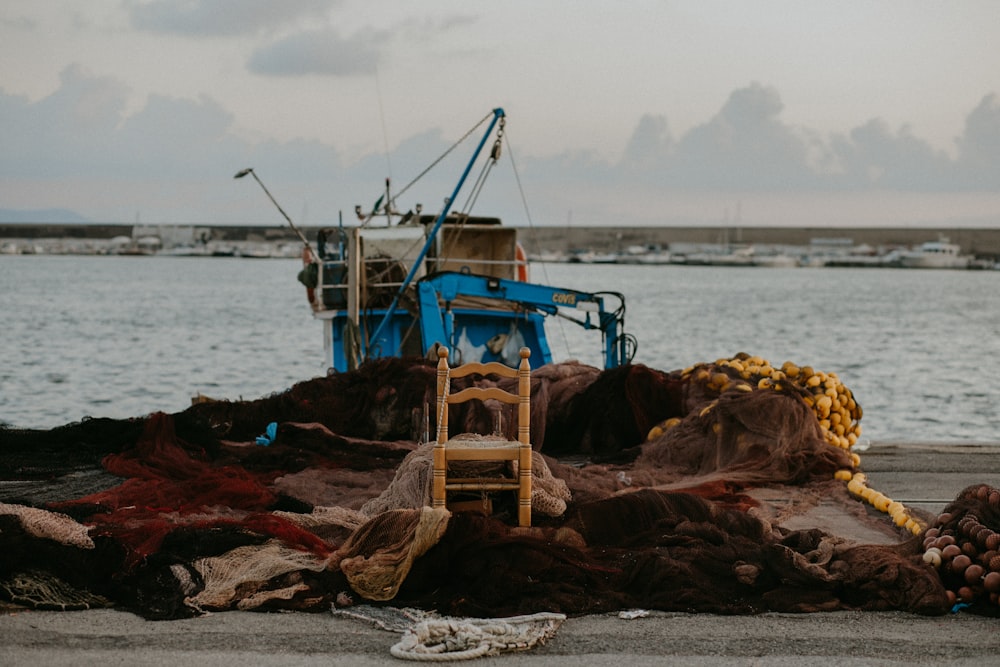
x: 378, y: 556
x: 251, y: 576
x: 705, y: 489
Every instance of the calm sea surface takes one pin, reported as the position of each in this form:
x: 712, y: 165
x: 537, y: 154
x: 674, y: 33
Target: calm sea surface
x: 125, y: 336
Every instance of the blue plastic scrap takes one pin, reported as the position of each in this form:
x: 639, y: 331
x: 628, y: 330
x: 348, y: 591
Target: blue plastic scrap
x: 270, y: 434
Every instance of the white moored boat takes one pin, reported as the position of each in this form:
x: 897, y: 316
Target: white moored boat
x: 936, y: 255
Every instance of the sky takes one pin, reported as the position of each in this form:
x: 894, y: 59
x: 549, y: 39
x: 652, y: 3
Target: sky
x: 644, y: 112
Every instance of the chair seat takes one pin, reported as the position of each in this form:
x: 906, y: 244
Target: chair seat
x: 477, y: 447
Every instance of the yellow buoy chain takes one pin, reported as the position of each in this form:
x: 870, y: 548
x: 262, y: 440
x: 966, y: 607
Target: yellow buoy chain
x: 857, y: 486
x: 834, y: 405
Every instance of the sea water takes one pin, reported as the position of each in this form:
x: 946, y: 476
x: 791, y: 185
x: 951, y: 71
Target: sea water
x: 126, y: 336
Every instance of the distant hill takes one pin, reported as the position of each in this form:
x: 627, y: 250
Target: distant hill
x: 46, y: 215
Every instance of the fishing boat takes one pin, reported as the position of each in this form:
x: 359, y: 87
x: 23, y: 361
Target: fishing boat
x: 401, y: 284
x: 940, y: 254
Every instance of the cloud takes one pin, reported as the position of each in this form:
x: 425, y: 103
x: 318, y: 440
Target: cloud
x: 321, y: 52
x: 873, y: 156
x: 455, y: 21
x: 223, y: 17
x: 63, y: 133
x: 80, y: 148
x: 979, y: 146
x: 82, y: 129
x: 649, y: 144
x: 325, y: 52
x: 747, y: 146
x: 744, y: 146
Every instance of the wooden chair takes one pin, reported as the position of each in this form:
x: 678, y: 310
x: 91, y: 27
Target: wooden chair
x: 484, y: 448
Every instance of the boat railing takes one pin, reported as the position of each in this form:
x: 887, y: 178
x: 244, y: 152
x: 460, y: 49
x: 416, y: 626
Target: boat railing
x: 385, y: 276
x: 331, y: 285
x: 512, y: 266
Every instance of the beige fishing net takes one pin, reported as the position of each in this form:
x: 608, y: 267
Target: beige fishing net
x: 241, y: 578
x: 411, y: 486
x: 50, y: 525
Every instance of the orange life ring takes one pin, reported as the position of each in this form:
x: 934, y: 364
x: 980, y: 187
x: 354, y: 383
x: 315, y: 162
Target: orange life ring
x: 521, y: 258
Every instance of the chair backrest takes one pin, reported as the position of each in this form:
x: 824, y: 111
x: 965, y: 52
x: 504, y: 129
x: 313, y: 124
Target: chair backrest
x: 522, y: 398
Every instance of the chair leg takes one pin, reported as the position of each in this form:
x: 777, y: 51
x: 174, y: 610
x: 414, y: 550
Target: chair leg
x: 438, y: 492
x: 524, y: 486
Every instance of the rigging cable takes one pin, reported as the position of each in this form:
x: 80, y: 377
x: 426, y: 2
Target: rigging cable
x: 385, y: 133
x: 476, y: 189
x: 534, y: 238
x: 464, y: 214
x: 392, y: 199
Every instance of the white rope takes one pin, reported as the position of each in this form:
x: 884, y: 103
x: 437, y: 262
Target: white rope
x: 448, y: 639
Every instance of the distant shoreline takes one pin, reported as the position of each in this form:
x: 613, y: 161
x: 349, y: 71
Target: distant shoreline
x: 984, y: 243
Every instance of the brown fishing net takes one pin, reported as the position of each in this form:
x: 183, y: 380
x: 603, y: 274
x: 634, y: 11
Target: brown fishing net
x: 379, y: 555
x: 708, y: 489
x: 746, y: 437
x: 964, y: 545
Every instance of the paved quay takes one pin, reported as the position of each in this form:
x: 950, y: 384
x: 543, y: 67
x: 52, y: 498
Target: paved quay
x: 926, y: 475
x: 105, y: 637
x: 929, y: 475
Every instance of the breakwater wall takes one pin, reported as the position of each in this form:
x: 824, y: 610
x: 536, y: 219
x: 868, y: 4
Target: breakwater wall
x: 981, y: 242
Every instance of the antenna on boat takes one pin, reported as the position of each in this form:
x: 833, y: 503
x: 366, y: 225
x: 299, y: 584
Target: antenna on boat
x: 249, y: 170
x: 388, y: 204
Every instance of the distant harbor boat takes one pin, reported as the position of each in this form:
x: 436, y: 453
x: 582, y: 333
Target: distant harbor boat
x: 742, y: 256
x: 721, y: 256
x: 939, y: 254
x: 644, y: 254
x: 776, y: 261
x: 592, y: 257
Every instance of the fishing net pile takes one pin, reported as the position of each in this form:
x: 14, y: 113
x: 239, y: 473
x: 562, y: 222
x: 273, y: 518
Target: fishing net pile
x: 686, y: 490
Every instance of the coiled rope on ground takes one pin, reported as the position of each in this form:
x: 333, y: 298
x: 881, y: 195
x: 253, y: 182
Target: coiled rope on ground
x: 449, y: 639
